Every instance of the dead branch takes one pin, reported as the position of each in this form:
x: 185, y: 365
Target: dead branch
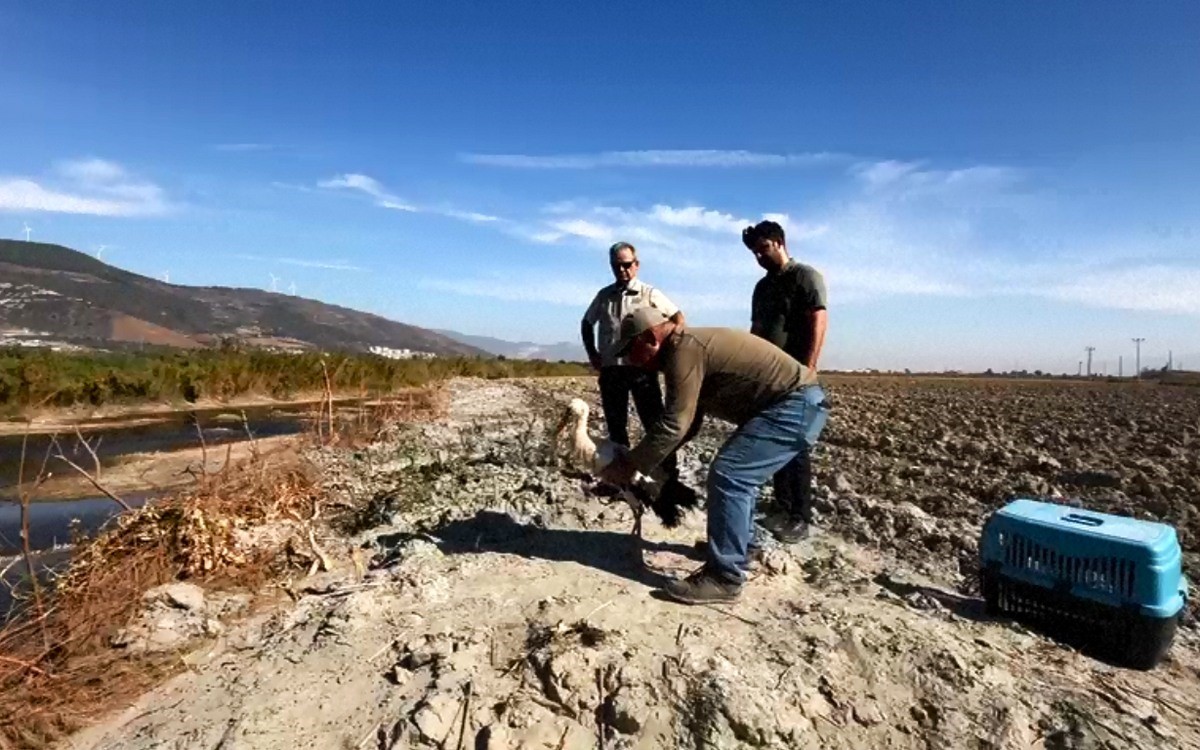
x: 84, y: 473
x: 203, y: 454
x: 23, y: 664
x: 91, y: 451
x: 328, y: 396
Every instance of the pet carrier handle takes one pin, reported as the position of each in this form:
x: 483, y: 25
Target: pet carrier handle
x: 1083, y: 520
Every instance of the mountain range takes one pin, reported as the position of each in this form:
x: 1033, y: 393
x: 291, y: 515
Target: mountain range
x: 563, y: 350
x: 50, y: 293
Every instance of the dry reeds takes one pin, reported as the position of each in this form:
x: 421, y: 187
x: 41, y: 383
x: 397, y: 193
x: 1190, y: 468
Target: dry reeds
x: 54, y: 653
x: 57, y: 668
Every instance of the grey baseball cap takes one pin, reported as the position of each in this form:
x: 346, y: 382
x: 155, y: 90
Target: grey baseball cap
x: 635, y: 324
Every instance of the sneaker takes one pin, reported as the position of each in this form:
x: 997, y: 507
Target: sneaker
x: 791, y: 530
x: 754, y: 556
x: 703, y: 587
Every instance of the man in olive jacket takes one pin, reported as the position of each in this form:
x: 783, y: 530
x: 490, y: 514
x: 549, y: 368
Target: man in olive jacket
x: 776, y: 403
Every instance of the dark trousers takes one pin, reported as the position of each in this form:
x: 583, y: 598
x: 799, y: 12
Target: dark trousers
x: 617, y: 383
x: 793, y: 487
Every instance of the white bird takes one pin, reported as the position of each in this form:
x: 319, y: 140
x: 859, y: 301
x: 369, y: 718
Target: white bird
x: 665, y: 495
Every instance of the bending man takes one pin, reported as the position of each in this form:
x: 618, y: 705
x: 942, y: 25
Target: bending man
x: 776, y: 403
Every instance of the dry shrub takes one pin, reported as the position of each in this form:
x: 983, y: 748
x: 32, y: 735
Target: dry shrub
x: 57, y: 671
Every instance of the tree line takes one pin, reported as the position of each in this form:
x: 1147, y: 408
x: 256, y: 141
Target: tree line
x: 44, y: 378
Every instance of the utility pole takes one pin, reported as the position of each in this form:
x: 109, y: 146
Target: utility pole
x: 1138, y: 343
x: 1089, y: 349
x: 1080, y: 370
x: 1169, y: 359
x: 1121, y: 366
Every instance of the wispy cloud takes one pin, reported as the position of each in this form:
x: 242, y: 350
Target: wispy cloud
x: 85, y: 186
x: 245, y: 147
x: 385, y: 199
x: 914, y: 177
x: 371, y: 187
x: 1153, y: 288
x: 653, y: 158
x: 331, y: 265
x: 516, y: 289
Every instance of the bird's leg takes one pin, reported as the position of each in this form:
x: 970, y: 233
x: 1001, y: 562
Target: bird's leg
x: 637, y: 525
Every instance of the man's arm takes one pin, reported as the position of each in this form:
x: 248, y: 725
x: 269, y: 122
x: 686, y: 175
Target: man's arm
x: 683, y: 377
x: 812, y: 300
x: 588, y: 334
x: 818, y: 321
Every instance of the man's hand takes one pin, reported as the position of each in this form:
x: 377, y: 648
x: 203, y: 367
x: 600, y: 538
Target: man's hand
x: 595, y: 361
x: 619, y: 472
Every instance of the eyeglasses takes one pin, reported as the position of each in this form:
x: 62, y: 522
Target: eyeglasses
x: 624, y: 265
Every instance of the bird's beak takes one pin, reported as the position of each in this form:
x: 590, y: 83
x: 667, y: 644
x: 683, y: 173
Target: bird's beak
x: 562, y: 423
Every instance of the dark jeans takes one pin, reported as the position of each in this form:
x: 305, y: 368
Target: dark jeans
x: 754, y: 453
x: 793, y: 487
x: 617, y: 383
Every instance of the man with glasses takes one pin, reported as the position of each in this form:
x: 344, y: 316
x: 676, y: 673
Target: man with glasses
x: 619, y: 379
x: 788, y: 309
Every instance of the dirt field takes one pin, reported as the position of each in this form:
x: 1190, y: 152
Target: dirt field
x: 499, y: 603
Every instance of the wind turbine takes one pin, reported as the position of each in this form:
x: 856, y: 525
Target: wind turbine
x: 274, y: 281
x: 292, y: 289
x: 100, y: 251
x: 167, y: 277
x: 27, y: 231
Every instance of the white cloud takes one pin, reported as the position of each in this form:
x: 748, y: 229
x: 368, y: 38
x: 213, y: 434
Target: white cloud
x: 385, y: 199
x: 371, y: 187
x: 514, y: 289
x: 87, y: 186
x: 1153, y: 288
x: 698, y: 217
x: 471, y: 216
x: 653, y: 158
x: 588, y: 230
x: 330, y: 265
x: 912, y: 178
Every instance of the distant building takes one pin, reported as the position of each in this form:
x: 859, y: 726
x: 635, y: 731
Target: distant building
x: 390, y: 353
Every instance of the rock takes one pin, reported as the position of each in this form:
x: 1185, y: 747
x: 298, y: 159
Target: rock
x: 625, y: 714
x: 842, y: 485
x: 867, y: 714
x: 434, y: 718
x: 181, y: 595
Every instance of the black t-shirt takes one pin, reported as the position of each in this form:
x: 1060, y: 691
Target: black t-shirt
x: 782, y: 303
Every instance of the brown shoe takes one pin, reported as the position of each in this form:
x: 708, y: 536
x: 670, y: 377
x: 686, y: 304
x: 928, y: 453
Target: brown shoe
x: 703, y: 587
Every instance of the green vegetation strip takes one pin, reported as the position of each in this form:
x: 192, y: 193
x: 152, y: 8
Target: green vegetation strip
x: 41, y: 378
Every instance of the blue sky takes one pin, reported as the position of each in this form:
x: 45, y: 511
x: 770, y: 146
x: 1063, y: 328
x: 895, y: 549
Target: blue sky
x: 982, y: 184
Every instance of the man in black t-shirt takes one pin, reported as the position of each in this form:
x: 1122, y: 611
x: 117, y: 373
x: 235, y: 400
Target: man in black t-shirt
x: 788, y: 309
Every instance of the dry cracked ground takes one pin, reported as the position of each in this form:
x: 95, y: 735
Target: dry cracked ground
x: 498, y: 602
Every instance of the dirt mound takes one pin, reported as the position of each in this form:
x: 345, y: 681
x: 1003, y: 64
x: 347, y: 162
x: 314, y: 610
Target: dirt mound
x: 499, y: 603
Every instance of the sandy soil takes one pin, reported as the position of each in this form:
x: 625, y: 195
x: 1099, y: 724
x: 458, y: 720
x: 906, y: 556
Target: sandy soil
x: 504, y: 605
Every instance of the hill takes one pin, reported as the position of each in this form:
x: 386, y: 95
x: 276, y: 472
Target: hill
x: 65, y: 295
x: 563, y: 350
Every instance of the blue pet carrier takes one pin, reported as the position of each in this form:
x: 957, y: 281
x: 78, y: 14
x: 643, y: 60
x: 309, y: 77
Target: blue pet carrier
x: 1110, y: 585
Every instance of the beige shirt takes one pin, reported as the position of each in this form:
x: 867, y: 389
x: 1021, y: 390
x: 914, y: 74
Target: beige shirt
x: 613, y: 303
x: 721, y: 372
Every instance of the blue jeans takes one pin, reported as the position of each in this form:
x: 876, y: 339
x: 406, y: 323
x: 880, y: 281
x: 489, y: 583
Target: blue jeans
x: 750, y: 457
